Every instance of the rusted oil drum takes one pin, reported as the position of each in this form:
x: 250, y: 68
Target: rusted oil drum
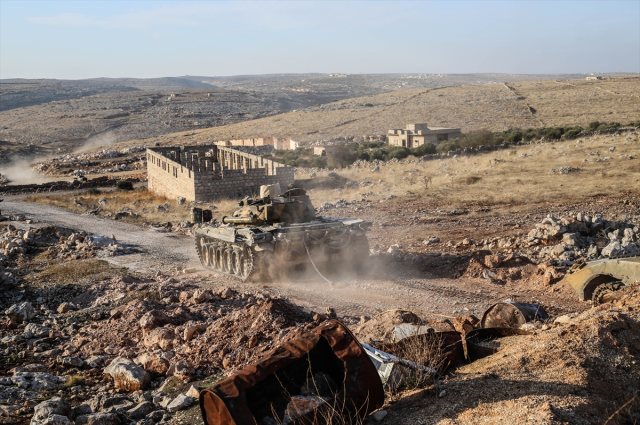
x: 512, y: 315
x: 207, y: 215
x: 483, y: 342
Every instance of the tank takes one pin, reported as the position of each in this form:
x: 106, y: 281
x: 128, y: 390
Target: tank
x: 593, y: 280
x: 275, y: 232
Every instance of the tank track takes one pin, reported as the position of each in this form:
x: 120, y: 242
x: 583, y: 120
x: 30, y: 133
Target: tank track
x: 231, y: 259
x: 605, y: 288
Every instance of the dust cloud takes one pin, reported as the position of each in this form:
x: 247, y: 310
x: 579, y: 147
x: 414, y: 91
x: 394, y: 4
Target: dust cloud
x: 96, y: 141
x: 19, y: 171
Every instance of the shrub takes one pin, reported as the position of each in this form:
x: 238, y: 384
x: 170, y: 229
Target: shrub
x: 93, y: 191
x: 475, y: 139
x: 473, y: 179
x: 318, y: 162
x: 74, y: 380
x: 451, y: 145
x: 424, y: 149
x: 572, y: 132
x: 124, y: 185
x: 379, y: 154
x: 399, y: 152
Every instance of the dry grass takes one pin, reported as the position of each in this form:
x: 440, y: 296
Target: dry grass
x: 494, y: 107
x: 75, y: 271
x: 74, y: 380
x: 140, y: 201
x: 505, y: 178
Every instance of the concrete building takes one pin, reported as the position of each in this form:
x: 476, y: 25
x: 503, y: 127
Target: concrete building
x: 415, y: 135
x: 594, y: 78
x: 210, y: 172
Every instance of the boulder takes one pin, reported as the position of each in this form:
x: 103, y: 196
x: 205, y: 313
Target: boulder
x: 181, y: 402
x: 53, y: 406
x: 613, y: 249
x: 19, y: 313
x: 156, y: 366
x: 202, y: 295
x: 70, y: 361
x: 127, y: 375
x: 141, y: 410
x: 159, y: 337
x: 193, y: 392
x: 190, y: 330
x: 152, y: 319
x: 181, y: 369
x: 66, y: 306
x: 37, y: 331
x: 55, y: 420
x: 102, y: 418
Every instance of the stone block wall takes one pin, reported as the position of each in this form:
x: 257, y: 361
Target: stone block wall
x: 207, y: 173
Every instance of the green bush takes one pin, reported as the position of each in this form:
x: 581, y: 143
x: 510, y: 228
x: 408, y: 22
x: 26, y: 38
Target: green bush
x: 572, y: 132
x: 399, y: 152
x: 318, y: 161
x: 124, y: 185
x: 450, y: 145
x: 427, y: 148
x: 476, y: 138
x: 378, y: 154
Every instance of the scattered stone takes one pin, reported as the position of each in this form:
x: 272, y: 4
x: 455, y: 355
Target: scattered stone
x: 181, y: 402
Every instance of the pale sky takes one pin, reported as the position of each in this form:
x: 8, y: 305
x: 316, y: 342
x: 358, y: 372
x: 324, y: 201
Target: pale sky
x: 86, y: 39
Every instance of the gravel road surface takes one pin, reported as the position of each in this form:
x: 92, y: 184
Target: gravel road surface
x: 383, y: 286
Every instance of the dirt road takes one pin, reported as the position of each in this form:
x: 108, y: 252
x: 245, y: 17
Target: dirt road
x: 383, y: 286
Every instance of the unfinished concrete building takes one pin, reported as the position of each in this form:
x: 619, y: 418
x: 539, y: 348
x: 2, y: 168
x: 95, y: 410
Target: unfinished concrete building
x: 210, y: 172
x: 415, y: 135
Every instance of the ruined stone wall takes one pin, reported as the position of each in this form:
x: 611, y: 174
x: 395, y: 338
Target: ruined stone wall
x: 207, y: 173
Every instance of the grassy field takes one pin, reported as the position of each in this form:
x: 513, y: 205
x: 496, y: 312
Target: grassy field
x: 510, y: 178
x: 495, y: 107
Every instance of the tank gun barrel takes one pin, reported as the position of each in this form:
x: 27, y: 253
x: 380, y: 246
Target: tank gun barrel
x: 240, y: 220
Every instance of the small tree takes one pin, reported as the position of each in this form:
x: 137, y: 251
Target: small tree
x: 124, y: 185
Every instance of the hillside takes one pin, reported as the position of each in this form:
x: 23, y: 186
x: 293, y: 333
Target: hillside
x: 494, y: 107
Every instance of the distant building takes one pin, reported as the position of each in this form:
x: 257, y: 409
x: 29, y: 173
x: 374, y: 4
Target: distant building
x: 415, y: 135
x: 324, y: 150
x: 594, y: 78
x: 277, y: 143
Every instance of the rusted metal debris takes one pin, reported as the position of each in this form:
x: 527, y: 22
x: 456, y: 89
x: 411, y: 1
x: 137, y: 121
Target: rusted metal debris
x: 593, y: 280
x: 512, y: 315
x: 305, y: 380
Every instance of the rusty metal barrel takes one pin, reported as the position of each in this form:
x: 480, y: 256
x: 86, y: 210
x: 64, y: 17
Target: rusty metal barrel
x: 512, y: 315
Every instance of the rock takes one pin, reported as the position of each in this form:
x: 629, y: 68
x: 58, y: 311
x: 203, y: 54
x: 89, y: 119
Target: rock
x: 193, y: 392
x: 202, y: 295
x: 55, y: 420
x: 181, y: 369
x: 53, y: 406
x: 379, y: 415
x: 152, y: 319
x: 563, y: 320
x: 66, y: 306
x: 189, y: 331
x: 141, y: 410
x: 38, y: 381
x: 157, y: 366
x: 394, y: 250
x: 102, y: 418
x: 613, y: 249
x: 156, y: 416
x: 37, y: 330
x: 70, y: 361
x: 127, y: 375
x: 571, y: 239
x: 96, y: 361
x: 81, y: 409
x: 492, y: 261
x: 159, y: 337
x: 20, y: 313
x: 300, y: 406
x: 181, y: 402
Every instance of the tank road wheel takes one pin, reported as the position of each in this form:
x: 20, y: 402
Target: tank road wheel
x: 205, y: 256
x: 235, y: 262
x: 199, y: 248
x: 245, y: 264
x: 227, y: 264
x: 212, y: 256
x: 219, y: 258
x: 604, y: 289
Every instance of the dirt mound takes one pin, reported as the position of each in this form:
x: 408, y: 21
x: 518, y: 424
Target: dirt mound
x: 581, y: 369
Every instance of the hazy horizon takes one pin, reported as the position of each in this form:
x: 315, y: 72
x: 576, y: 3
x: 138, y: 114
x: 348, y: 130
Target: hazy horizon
x: 153, y: 39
